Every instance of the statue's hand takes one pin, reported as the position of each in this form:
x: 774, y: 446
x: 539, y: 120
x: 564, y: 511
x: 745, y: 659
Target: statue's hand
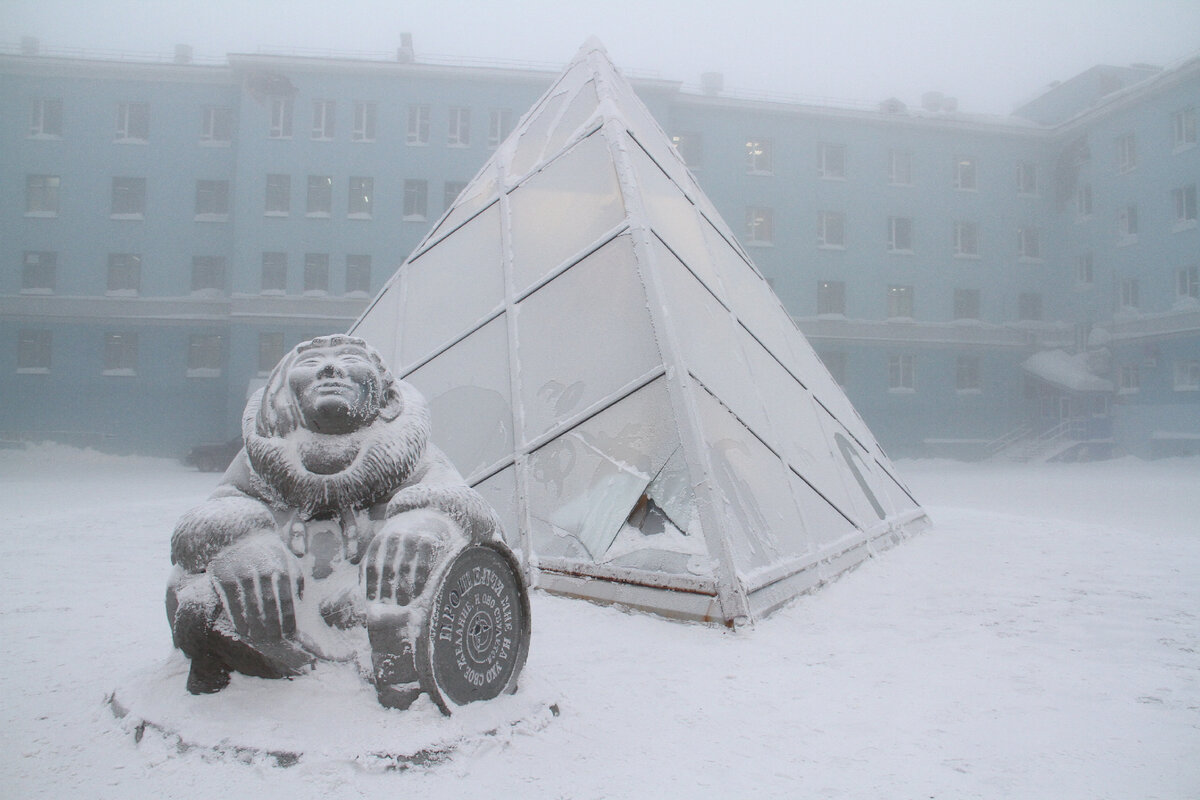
x: 402, y: 556
x: 258, y: 582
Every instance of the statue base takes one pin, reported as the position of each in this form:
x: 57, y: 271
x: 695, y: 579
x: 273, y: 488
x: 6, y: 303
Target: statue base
x: 330, y: 714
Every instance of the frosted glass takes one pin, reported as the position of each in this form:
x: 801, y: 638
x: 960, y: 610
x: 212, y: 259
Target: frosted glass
x: 868, y: 498
x: 468, y: 389
x: 500, y: 491
x: 581, y: 109
x: 452, y: 286
x: 825, y: 526
x: 532, y: 141
x: 478, y: 194
x: 583, y: 336
x: 380, y: 326
x: 565, y: 208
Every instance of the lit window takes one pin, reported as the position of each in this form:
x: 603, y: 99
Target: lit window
x: 1029, y: 246
x: 450, y: 192
x: 500, y: 121
x: 208, y: 273
x: 324, y: 112
x: 966, y: 374
x: 1083, y: 201
x: 320, y: 196
x: 270, y: 351
x: 133, y: 122
x: 1126, y: 152
x: 37, y: 272
x: 900, y: 302
x: 900, y: 234
x: 458, y: 133
x: 966, y: 239
x: 41, y: 195
x: 1029, y: 306
x: 46, y: 119
x: 124, y: 274
x: 212, y: 200
x: 364, y: 122
x: 835, y: 362
x: 966, y: 304
x: 900, y: 172
x: 831, y: 297
x: 901, y: 373
x: 120, y: 353
x: 274, y: 273
x: 831, y: 229
x: 690, y: 147
x: 316, y: 273
x: 1187, y: 376
x: 279, y: 195
x: 33, y: 351
x: 1130, y: 294
x: 128, y: 198
x: 1185, y: 206
x: 1084, y: 269
x: 964, y: 173
x: 1127, y: 225
x: 1187, y: 283
x: 416, y: 200
x: 358, y: 274
x: 1027, y: 177
x: 281, y: 118
x: 1129, y: 379
x: 831, y: 160
x: 1183, y: 128
x: 216, y: 125
x: 418, y: 125
x: 204, y: 355
x: 759, y: 159
x: 760, y: 226
x: 362, y: 197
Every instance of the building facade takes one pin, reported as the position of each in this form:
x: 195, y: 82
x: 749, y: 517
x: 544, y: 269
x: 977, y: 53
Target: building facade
x: 168, y: 230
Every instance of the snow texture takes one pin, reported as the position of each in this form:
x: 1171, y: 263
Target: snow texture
x: 1041, y: 641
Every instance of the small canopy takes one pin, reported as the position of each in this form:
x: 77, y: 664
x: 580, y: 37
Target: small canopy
x: 1066, y: 371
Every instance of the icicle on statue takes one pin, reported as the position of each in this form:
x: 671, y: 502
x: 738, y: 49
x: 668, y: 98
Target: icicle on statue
x: 340, y: 530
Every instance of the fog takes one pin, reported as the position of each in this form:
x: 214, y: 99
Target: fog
x: 990, y: 55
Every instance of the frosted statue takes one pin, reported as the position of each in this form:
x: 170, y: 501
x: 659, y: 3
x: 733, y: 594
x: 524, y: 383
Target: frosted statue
x: 340, y: 530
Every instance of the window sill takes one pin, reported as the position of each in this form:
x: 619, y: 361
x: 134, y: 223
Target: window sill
x: 45, y: 137
x: 207, y: 294
x: 841, y: 178
x: 363, y: 141
x: 125, y: 372
x: 33, y: 370
x: 762, y: 172
x: 1134, y: 390
x: 318, y: 215
x: 901, y: 185
x: 281, y: 214
x: 969, y: 256
x: 360, y: 215
x: 41, y: 214
x: 901, y: 390
x: 970, y: 189
x: 279, y: 138
x: 1183, y: 148
x: 754, y: 243
x: 130, y: 140
x: 458, y: 145
x: 204, y: 372
x: 416, y: 144
x: 121, y: 293
x: 215, y: 143
x: 128, y: 217
x: 316, y: 293
x: 1187, y: 388
x: 356, y: 294
x: 322, y: 138
x: 900, y: 252
x: 908, y: 320
x: 831, y: 315
x: 967, y: 322
x: 211, y: 218
x: 414, y: 218
x: 1183, y: 225
x: 821, y: 246
x: 42, y: 290
x: 273, y: 292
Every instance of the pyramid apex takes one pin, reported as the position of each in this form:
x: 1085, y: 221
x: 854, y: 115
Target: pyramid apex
x: 593, y: 44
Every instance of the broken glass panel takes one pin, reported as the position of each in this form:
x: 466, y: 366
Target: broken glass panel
x: 565, y: 319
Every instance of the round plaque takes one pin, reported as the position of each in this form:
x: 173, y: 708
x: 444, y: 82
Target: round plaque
x: 476, y: 636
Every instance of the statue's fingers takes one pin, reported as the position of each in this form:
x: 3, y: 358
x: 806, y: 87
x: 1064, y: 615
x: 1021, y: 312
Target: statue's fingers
x: 387, y: 577
x: 287, y: 607
x: 271, y: 619
x: 252, y: 592
x: 370, y: 572
x: 235, y: 605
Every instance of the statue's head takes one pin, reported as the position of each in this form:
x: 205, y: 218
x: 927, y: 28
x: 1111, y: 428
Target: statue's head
x: 331, y: 384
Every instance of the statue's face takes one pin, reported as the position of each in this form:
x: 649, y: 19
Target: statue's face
x: 338, y: 388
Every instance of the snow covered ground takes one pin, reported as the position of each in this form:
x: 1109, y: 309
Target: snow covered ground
x: 1042, y: 641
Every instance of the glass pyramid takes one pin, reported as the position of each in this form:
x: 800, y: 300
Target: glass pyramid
x: 607, y: 366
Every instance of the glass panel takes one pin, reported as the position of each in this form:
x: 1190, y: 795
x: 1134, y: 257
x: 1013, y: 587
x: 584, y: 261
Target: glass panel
x: 468, y: 389
x: 825, y: 526
x: 500, y: 491
x: 533, y: 139
x: 585, y: 484
x: 380, y: 326
x: 452, y: 286
x: 478, y: 193
x: 868, y: 499
x: 582, y: 108
x: 562, y: 210
x: 583, y: 336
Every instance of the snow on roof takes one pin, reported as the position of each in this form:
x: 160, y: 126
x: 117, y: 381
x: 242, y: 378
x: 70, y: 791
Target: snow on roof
x: 1066, y: 370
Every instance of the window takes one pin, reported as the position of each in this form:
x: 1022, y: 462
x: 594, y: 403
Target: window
x: 274, y: 273
x: 1187, y: 283
x: 124, y: 274
x: 1185, y: 207
x: 760, y: 226
x: 831, y: 229
x: 1130, y: 295
x: 133, y: 122
x: 900, y: 172
x: 831, y: 161
x: 281, y: 118
x: 759, y: 160
x: 450, y: 193
x: 1183, y: 128
x: 1187, y: 376
x: 1029, y: 306
x: 1126, y: 153
x: 365, y: 115
x: 966, y: 374
x: 322, y: 120
x: 1083, y: 201
x: 204, y: 355
x: 500, y: 122
x: 216, y: 125
x: 1127, y: 225
x: 358, y: 274
x: 208, y: 273
x: 128, y: 198
x: 964, y: 173
x: 901, y: 369
x: 270, y: 351
x: 1029, y: 246
x: 212, y: 200
x: 966, y: 304
x: 1084, y: 269
x: 459, y: 132
x: 966, y: 239
x: 320, y: 196
x: 835, y: 362
x: 41, y: 195
x: 900, y: 302
x: 46, y: 119
x: 316, y: 273
x: 120, y: 353
x: 279, y: 195
x: 362, y: 197
x: 1027, y: 177
x: 1129, y: 379
x: 416, y: 199
x: 900, y: 235
x: 831, y: 297
x: 418, y: 125
x: 33, y: 351
x: 690, y: 147
x: 37, y: 272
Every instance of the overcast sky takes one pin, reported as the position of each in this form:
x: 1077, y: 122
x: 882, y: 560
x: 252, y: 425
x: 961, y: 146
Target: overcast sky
x: 991, y: 54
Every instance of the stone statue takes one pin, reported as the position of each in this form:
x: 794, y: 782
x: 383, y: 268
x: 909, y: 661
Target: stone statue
x: 327, y: 534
